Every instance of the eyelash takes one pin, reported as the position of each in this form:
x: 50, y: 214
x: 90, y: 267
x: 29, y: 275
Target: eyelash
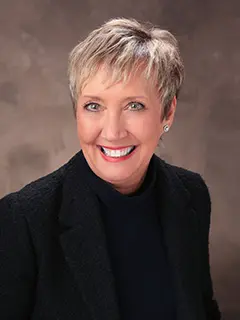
x: 96, y: 104
x: 89, y: 104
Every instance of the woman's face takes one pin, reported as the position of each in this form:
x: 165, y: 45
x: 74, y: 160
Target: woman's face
x: 119, y: 127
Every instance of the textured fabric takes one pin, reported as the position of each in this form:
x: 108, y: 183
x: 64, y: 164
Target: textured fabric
x: 54, y: 262
x: 138, y: 260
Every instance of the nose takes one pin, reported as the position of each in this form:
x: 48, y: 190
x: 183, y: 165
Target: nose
x: 113, y: 127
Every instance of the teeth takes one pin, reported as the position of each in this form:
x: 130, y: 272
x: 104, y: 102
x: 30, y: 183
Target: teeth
x: 117, y: 153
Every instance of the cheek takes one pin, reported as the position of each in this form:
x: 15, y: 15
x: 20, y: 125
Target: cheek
x: 87, y: 131
x: 147, y: 128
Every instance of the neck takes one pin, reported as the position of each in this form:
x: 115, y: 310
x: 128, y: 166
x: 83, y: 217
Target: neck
x: 130, y: 188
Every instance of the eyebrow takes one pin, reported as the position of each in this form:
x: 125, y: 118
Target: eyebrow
x: 96, y: 98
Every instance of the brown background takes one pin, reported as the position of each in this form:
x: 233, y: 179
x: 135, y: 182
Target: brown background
x: 37, y: 128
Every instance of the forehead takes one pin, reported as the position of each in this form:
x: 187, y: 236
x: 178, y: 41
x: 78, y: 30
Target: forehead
x: 105, y: 81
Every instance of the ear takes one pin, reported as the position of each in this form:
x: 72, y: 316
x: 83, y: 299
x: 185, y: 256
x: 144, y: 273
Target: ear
x: 172, y: 110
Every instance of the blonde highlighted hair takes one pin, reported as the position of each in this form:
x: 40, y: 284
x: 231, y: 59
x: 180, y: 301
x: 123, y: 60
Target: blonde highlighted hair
x: 123, y: 46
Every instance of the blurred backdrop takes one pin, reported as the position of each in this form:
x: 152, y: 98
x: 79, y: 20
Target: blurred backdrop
x: 37, y: 127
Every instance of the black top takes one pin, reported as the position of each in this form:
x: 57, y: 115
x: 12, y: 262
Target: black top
x: 136, y: 250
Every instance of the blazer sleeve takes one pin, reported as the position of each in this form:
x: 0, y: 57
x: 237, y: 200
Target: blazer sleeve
x: 17, y: 262
x: 210, y: 303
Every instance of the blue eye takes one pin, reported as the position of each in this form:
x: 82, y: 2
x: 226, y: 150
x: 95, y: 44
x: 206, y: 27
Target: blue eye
x: 93, y: 107
x: 136, y: 106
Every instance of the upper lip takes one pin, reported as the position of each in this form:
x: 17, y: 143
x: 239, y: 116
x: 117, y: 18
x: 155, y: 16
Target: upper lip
x: 116, y: 148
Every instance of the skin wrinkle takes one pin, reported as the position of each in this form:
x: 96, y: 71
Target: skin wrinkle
x: 114, y: 125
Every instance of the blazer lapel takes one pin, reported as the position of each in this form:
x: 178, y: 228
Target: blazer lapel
x: 179, y: 227
x: 84, y: 244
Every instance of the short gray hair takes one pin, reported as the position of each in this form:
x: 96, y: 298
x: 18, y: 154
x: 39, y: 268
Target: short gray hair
x: 123, y: 45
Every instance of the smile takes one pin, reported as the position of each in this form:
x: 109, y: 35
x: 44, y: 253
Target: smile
x: 117, y: 153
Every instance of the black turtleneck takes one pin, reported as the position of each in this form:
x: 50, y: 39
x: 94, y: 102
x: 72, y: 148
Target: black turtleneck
x: 136, y: 250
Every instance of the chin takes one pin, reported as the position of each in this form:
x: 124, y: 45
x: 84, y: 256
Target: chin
x: 116, y: 177
x: 111, y: 172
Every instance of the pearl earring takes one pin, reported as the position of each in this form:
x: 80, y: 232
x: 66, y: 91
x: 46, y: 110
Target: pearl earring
x: 166, y: 128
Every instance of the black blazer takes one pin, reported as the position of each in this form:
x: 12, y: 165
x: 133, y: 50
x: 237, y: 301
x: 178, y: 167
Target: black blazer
x: 54, y: 263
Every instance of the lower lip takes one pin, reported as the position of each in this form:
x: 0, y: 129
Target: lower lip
x: 119, y: 159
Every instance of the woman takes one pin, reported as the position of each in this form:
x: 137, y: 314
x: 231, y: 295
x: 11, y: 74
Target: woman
x: 116, y: 233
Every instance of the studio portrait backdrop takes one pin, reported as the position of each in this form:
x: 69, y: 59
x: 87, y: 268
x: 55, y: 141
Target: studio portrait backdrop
x: 37, y: 125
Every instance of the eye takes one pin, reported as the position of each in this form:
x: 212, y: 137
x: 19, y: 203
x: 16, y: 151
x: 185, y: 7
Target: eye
x: 93, y: 107
x: 136, y: 106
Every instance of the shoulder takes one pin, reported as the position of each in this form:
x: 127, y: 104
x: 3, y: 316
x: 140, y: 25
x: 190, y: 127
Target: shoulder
x: 198, y: 190
x: 192, y: 181
x: 40, y: 195
x: 200, y: 198
x: 195, y: 184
